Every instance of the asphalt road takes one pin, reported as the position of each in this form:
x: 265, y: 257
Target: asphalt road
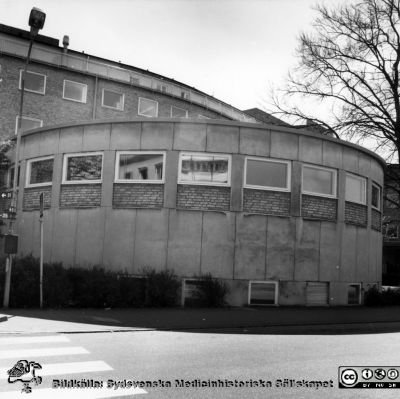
x: 230, y: 355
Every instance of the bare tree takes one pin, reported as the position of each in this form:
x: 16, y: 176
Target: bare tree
x: 351, y: 60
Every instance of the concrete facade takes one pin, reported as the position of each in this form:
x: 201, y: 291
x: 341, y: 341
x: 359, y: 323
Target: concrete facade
x: 302, y: 247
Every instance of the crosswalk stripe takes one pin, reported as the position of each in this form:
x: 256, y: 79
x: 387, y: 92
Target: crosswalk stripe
x: 65, y: 368
x: 41, y: 352
x: 33, y: 340
x: 84, y: 393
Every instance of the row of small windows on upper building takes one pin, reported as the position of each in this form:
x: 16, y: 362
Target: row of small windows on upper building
x: 75, y: 91
x: 202, y: 168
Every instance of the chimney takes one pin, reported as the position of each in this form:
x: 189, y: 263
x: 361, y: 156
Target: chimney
x: 65, y: 43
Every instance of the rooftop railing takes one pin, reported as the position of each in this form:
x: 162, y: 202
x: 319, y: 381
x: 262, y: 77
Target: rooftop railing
x: 83, y: 63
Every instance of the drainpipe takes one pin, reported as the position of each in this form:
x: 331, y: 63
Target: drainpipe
x: 96, y: 83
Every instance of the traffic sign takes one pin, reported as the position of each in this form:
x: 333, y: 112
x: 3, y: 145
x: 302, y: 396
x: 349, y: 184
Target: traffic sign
x: 6, y: 194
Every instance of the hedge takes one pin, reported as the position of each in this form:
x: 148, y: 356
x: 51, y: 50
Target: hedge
x: 87, y: 287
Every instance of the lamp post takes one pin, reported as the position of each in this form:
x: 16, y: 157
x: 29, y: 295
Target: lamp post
x: 36, y: 22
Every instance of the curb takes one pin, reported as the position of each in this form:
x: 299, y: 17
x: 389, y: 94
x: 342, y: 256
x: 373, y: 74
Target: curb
x: 350, y: 327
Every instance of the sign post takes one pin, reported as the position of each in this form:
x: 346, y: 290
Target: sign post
x: 41, y: 200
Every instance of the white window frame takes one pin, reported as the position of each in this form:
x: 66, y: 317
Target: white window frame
x: 147, y: 99
x: 29, y: 169
x: 27, y: 118
x: 334, y: 181
x: 198, y: 183
x: 84, y: 100
x: 109, y: 106
x: 181, y: 109
x: 269, y: 188
x: 118, y: 156
x: 359, y: 294
x: 32, y: 91
x: 378, y: 208
x: 365, y: 188
x: 81, y: 154
x: 276, y: 283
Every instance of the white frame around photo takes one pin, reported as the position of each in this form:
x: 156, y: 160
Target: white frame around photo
x: 268, y: 188
x: 29, y: 90
x: 334, y: 181
x: 204, y: 183
x: 29, y: 169
x: 84, y: 92
x: 81, y: 154
x: 117, y: 159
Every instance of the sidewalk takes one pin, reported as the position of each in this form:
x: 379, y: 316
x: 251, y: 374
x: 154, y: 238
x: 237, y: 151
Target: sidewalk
x: 251, y: 320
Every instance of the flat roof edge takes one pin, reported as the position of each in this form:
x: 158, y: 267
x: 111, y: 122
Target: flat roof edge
x: 256, y: 126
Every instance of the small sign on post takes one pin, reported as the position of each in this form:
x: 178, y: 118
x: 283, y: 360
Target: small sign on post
x: 41, y: 204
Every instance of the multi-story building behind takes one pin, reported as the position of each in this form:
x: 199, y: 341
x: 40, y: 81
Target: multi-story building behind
x: 65, y: 86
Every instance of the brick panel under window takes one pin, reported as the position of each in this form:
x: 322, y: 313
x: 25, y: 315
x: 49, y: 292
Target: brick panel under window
x: 31, y: 199
x: 355, y: 214
x: 376, y: 220
x: 80, y: 196
x: 321, y: 208
x: 275, y: 203
x: 138, y: 195
x: 206, y: 198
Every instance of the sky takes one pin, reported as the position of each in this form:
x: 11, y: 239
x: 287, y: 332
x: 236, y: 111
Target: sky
x: 231, y: 49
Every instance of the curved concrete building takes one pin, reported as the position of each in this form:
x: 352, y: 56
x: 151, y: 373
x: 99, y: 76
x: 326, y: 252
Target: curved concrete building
x: 285, y: 217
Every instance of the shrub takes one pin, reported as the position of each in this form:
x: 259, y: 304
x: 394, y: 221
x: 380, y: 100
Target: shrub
x: 87, y: 287
x: 375, y: 297
x: 162, y: 288
x: 211, y: 291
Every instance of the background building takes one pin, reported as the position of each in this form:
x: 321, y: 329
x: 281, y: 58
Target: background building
x: 138, y: 170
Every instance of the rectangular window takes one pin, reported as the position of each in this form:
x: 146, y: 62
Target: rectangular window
x: 34, y: 82
x: 263, y: 293
x: 143, y: 167
x: 28, y: 123
x: 354, y: 294
x: 204, y: 169
x: 74, y: 91
x: 112, y: 99
x: 185, y: 95
x: 376, y: 197
x: 177, y: 112
x: 39, y: 171
x: 147, y: 107
x: 83, y: 168
x: 161, y: 87
x: 319, y: 181
x: 356, y: 189
x: 267, y: 174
